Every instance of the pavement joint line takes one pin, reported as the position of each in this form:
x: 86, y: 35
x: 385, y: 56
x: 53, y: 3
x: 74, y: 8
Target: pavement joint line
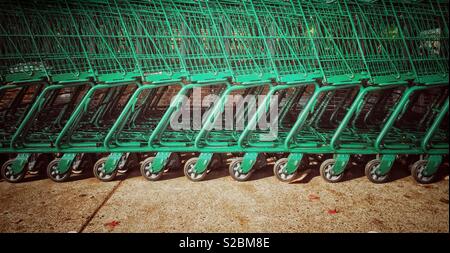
x: 89, y: 219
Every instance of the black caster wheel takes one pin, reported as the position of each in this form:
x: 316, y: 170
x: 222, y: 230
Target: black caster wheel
x: 417, y: 172
x: 145, y: 170
x: 190, y: 173
x: 371, y: 172
x: 235, y: 170
x: 279, y: 169
x: 54, y: 174
x: 99, y: 171
x: 325, y: 171
x: 8, y: 175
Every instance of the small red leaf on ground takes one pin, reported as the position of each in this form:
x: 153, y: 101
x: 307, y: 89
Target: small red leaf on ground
x: 313, y: 197
x: 332, y: 211
x: 112, y: 224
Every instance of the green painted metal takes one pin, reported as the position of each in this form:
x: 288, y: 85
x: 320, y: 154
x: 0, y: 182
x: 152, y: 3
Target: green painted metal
x: 356, y: 106
x: 400, y: 107
x: 433, y: 162
x: 19, y: 162
x: 14, y: 107
x: 125, y: 114
x: 341, y: 163
x: 309, y: 108
x: 65, y: 163
x: 242, y: 142
x: 248, y: 161
x: 160, y: 161
x: 112, y: 162
x: 82, y: 109
x: 202, y: 163
x: 293, y: 163
x: 350, y: 73
x: 426, y: 145
x: 339, y: 42
x: 37, y: 107
x: 217, y: 110
x: 386, y: 162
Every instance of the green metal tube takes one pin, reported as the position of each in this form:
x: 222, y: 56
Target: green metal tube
x: 81, y: 108
x: 356, y: 104
x: 257, y: 116
x: 426, y: 140
x: 36, y: 107
x: 124, y: 114
x: 304, y: 114
x: 165, y: 120
x: 219, y: 108
x: 401, y: 106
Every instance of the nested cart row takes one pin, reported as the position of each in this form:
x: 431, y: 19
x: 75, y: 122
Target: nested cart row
x: 98, y: 83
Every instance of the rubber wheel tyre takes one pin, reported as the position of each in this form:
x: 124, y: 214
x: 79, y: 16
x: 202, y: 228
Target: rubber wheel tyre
x: 279, y: 169
x: 145, y: 170
x: 370, y: 172
x: 190, y: 173
x: 32, y: 165
x: 54, y: 175
x: 122, y: 167
x: 99, y: 173
x: 77, y: 167
x: 235, y: 170
x: 7, y: 174
x: 325, y: 171
x: 417, y: 170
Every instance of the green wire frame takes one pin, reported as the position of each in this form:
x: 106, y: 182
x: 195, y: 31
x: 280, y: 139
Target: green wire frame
x: 338, y: 42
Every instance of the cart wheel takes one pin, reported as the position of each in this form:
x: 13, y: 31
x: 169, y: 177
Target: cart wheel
x: 370, y: 172
x: 122, y: 167
x: 32, y: 167
x: 54, y: 174
x: 325, y: 171
x: 145, y: 170
x: 189, y: 170
x: 279, y: 169
x: 235, y: 170
x: 99, y: 171
x: 76, y: 165
x: 417, y: 170
x: 8, y: 175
